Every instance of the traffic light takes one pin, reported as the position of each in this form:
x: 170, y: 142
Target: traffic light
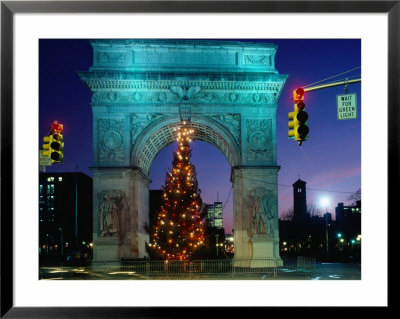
x: 57, y: 147
x: 298, y: 128
x: 53, y: 145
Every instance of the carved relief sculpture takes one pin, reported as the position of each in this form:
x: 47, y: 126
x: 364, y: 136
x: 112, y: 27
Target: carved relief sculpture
x: 231, y: 122
x: 139, y: 122
x: 257, y: 59
x: 259, y: 139
x: 110, y: 92
x: 185, y: 92
x: 110, y: 139
x: 260, y: 212
x: 112, y: 204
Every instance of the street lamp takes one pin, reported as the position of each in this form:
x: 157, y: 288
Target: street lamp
x: 216, y: 237
x: 325, y: 202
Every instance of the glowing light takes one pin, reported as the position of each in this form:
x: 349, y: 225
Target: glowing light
x: 324, y: 201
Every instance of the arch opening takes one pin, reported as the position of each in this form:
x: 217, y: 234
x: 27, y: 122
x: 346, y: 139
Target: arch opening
x: 213, y: 175
x: 161, y: 134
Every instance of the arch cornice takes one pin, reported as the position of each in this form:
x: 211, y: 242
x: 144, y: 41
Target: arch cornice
x: 119, y: 88
x: 160, y: 133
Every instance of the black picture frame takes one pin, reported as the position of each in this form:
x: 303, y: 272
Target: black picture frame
x: 9, y: 8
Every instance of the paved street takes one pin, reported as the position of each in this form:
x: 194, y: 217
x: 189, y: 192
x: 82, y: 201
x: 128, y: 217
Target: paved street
x: 323, y: 271
x: 334, y: 271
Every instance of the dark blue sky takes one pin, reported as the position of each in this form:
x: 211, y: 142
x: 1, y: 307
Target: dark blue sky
x: 330, y: 161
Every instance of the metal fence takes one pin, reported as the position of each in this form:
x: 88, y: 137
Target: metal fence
x: 196, y: 269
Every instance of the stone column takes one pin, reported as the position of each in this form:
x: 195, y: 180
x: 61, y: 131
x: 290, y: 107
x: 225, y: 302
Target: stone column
x: 120, y: 211
x: 255, y: 203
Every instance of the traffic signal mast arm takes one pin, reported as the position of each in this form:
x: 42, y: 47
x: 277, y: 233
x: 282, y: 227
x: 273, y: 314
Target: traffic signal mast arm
x: 323, y: 86
x: 298, y: 129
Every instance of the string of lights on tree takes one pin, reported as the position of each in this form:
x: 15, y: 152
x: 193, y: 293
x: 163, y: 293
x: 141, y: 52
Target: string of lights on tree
x: 179, y: 227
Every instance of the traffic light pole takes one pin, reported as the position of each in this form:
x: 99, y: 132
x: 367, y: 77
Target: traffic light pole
x: 298, y: 129
x: 323, y: 86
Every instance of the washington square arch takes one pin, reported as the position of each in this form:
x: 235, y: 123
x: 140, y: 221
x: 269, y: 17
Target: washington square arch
x: 141, y: 90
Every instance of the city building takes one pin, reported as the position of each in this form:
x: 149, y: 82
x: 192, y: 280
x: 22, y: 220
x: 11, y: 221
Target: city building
x: 319, y: 235
x: 214, y: 215
x: 210, y: 214
x: 348, y: 220
x: 218, y: 215
x: 65, y: 213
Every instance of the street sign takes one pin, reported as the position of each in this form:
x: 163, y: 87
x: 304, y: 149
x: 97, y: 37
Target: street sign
x: 346, y: 106
x: 44, y: 160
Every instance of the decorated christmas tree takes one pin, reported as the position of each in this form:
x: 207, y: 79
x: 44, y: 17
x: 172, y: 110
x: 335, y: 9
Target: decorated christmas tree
x: 178, y: 229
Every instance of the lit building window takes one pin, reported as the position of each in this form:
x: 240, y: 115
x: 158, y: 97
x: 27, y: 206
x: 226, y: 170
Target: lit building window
x: 50, y: 179
x: 60, y: 179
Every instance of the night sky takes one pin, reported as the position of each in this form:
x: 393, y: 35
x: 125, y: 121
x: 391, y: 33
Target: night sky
x: 329, y: 161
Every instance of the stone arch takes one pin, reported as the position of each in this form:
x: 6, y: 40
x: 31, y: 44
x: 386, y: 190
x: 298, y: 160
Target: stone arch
x: 161, y: 133
x: 142, y: 88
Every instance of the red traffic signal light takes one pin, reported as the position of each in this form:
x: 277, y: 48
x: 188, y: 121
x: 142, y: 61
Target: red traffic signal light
x: 298, y: 95
x: 56, y: 127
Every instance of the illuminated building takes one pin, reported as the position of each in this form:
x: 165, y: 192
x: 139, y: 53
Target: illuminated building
x: 210, y: 214
x: 218, y: 215
x: 65, y: 212
x: 348, y: 219
x: 214, y: 215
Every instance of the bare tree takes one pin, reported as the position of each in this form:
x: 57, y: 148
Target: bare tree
x: 356, y: 196
x: 313, y: 211
x: 288, y: 214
